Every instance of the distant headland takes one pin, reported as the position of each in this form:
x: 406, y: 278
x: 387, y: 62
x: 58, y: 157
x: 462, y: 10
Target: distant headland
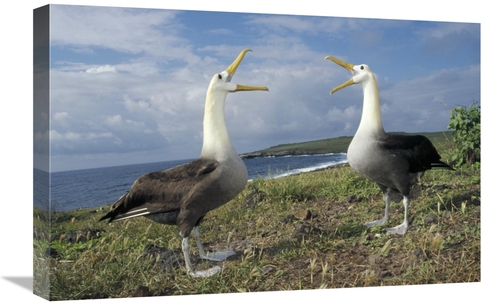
x: 332, y: 145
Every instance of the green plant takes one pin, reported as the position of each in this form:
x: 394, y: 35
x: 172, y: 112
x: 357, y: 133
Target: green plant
x: 466, y: 125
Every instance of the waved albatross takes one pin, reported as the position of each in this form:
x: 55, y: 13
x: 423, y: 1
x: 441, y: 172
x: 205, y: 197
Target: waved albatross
x: 391, y: 161
x: 183, y: 195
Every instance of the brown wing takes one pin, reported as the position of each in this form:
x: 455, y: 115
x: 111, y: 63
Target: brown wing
x: 161, y: 191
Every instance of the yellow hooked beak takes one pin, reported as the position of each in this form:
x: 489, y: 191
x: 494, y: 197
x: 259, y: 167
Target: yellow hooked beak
x: 232, y: 69
x: 349, y: 67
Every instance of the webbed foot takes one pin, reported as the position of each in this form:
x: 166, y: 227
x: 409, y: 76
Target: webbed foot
x: 401, y: 229
x: 375, y: 223
x: 205, y: 273
x: 218, y: 256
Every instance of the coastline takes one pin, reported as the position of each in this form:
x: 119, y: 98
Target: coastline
x: 332, y: 145
x: 305, y: 171
x: 283, y: 153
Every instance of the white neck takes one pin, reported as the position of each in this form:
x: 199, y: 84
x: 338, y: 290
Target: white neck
x: 371, y: 122
x: 216, y: 142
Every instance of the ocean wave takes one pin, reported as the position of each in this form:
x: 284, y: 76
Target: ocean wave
x: 305, y: 155
x: 308, y: 169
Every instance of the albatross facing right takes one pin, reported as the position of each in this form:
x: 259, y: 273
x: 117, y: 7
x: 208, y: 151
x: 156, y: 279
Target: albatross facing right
x: 392, y: 161
x: 183, y: 195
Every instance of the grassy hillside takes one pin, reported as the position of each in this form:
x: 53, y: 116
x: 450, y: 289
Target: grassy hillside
x: 441, y: 140
x: 299, y: 232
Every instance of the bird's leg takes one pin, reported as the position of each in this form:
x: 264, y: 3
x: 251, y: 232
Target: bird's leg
x: 189, y: 267
x: 216, y: 256
x: 401, y: 229
x: 386, y: 213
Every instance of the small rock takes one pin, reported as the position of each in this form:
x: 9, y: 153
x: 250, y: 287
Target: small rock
x: 416, y: 256
x: 288, y: 219
x: 385, y: 273
x: 305, y: 215
x: 142, y: 291
x: 374, y: 259
x: 352, y: 199
x: 267, y: 269
x: 301, y: 229
x: 305, y: 229
x: 429, y: 219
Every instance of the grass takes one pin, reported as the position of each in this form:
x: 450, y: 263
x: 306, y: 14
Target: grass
x: 298, y: 232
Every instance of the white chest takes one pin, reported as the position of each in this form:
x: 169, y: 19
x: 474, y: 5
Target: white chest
x: 361, y: 152
x: 234, y: 176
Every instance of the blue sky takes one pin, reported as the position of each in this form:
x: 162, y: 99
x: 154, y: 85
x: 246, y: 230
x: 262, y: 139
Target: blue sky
x: 128, y: 84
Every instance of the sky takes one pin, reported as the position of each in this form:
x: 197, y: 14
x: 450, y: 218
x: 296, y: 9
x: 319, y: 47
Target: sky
x: 128, y: 84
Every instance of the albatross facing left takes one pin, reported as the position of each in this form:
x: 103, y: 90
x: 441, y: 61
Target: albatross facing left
x: 183, y: 195
x: 392, y: 161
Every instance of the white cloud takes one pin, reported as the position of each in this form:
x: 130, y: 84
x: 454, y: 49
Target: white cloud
x: 93, y: 136
x: 135, y: 32
x: 131, y: 30
x: 443, y: 29
x: 349, y: 113
x: 55, y: 136
x: 114, y: 120
x: 424, y: 103
x: 136, y: 106
x: 60, y: 116
x: 134, y: 123
x: 102, y: 69
x: 335, y: 114
x: 348, y: 127
x: 142, y: 67
x: 220, y: 32
x: 71, y: 136
x: 280, y: 24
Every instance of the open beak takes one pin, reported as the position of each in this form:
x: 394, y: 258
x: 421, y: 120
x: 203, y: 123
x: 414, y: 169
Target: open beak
x: 232, y: 69
x: 349, y: 67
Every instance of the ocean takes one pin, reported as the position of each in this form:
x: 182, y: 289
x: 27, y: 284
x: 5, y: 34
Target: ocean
x: 97, y: 187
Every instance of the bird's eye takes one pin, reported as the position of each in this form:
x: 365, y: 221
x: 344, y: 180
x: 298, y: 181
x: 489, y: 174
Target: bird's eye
x: 362, y: 67
x: 220, y: 76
